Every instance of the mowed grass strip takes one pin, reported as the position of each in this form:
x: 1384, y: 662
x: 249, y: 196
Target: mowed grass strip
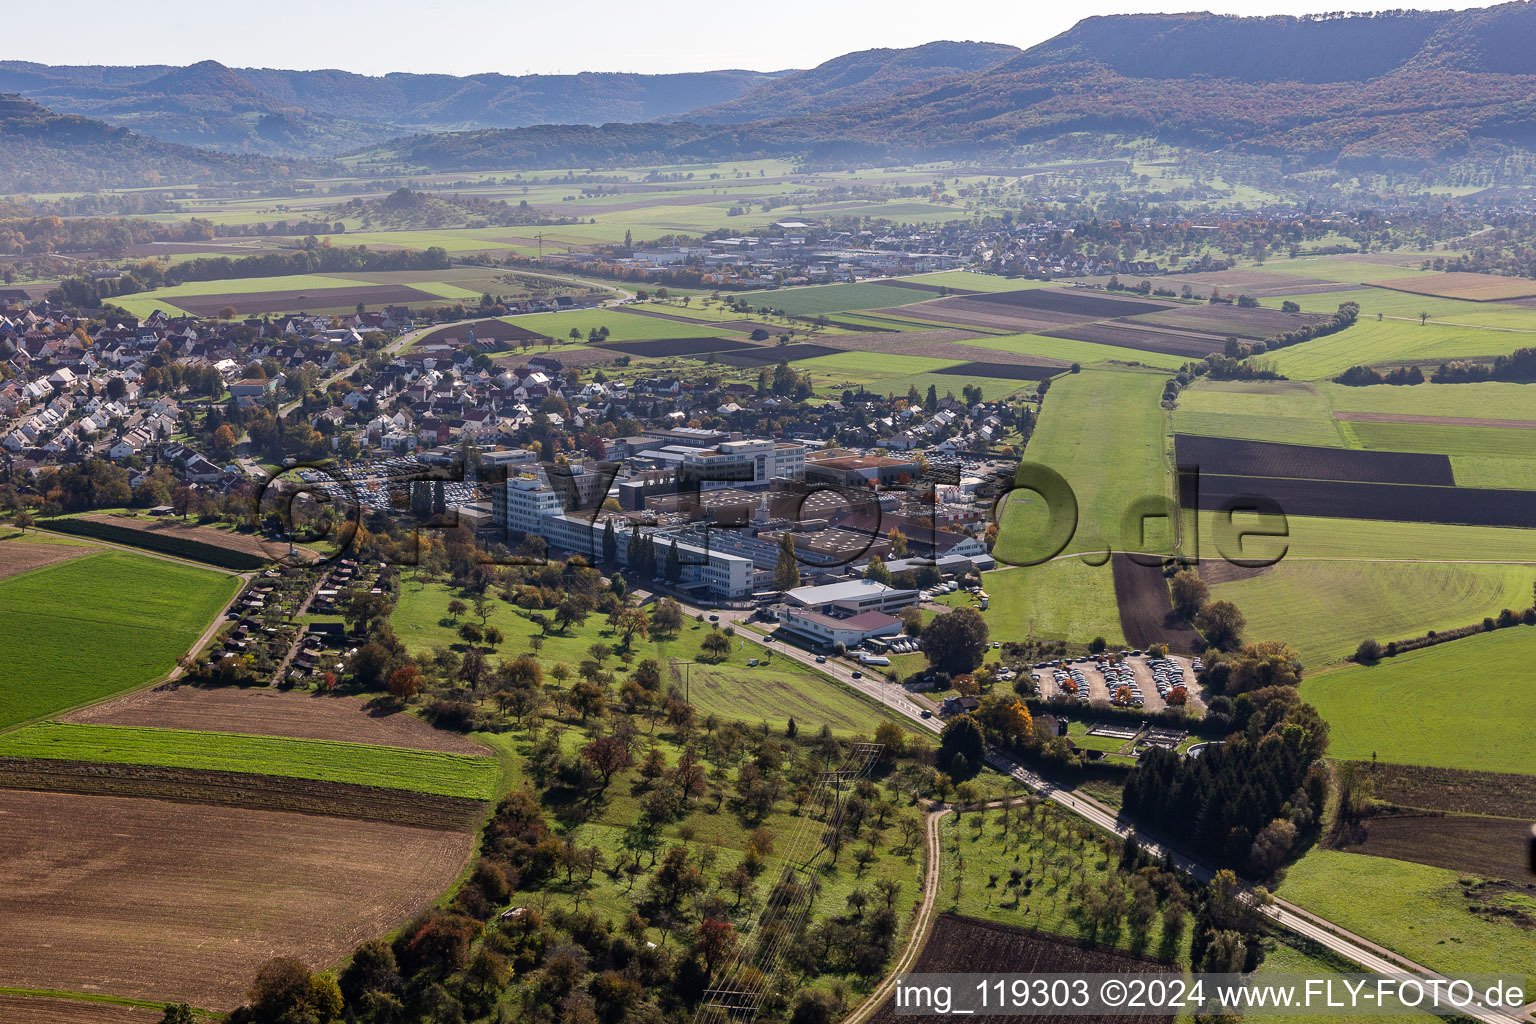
x: 88, y: 628
x: 1464, y: 704
x: 423, y: 771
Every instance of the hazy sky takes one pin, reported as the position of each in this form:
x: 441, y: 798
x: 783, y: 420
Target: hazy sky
x: 517, y: 37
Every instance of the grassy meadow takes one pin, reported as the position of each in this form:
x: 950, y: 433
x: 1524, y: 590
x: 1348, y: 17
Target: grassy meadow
x: 773, y: 691
x: 1464, y: 704
x: 84, y: 629
x: 1419, y: 911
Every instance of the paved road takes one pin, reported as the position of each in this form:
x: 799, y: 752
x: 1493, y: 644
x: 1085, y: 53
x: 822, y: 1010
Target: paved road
x: 1358, y: 949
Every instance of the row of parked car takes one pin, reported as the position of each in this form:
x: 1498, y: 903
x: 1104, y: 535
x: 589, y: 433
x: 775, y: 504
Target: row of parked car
x: 1167, y: 674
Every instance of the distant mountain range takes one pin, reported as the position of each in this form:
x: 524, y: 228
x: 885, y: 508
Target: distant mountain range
x: 1400, y: 87
x: 322, y: 113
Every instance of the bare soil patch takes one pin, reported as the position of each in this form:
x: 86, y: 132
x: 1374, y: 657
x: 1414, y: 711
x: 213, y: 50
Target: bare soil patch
x: 764, y: 355
x: 1143, y: 337
x: 295, y: 301
x: 45, y: 1010
x: 483, y: 330
x: 150, y: 900
x: 1236, y: 457
x: 1499, y: 794
x: 18, y: 556
x: 1395, y: 503
x: 260, y: 711
x: 1146, y: 608
x: 1003, y: 371
x: 1221, y: 321
x: 1469, y: 287
x: 962, y: 945
x: 1258, y: 283
x: 244, y: 542
x: 1491, y: 847
x: 242, y: 790
x: 1440, y: 421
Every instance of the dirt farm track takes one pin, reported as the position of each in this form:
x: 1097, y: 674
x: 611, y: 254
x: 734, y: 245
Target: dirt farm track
x: 163, y: 901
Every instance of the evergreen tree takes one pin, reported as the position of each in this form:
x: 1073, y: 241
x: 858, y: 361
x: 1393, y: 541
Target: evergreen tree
x: 610, y: 543
x: 786, y: 574
x: 674, y: 571
x: 439, y: 499
x: 931, y: 403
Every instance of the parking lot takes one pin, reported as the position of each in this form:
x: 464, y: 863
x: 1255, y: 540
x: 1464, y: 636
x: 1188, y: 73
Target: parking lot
x: 1132, y: 680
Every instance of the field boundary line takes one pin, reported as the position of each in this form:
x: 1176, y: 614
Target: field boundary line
x: 100, y: 997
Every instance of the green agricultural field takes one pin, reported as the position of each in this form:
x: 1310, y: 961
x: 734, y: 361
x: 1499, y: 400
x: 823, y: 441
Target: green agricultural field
x: 1393, y: 342
x: 1443, y: 440
x: 1404, y: 306
x: 425, y: 771
x: 1060, y: 600
x: 81, y: 630
x: 1463, y: 704
x: 1068, y: 350
x: 1106, y: 433
x: 966, y: 280
x: 1493, y: 471
x: 1421, y: 912
x: 1488, y: 400
x: 774, y: 691
x: 1280, y: 411
x: 1325, y: 608
x: 1363, y: 539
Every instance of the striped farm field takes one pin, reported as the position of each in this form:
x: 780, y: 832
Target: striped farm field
x: 423, y: 771
x: 1371, y: 342
x: 838, y: 298
x: 1448, y: 440
x: 1325, y: 608
x: 1072, y: 351
x: 1104, y: 431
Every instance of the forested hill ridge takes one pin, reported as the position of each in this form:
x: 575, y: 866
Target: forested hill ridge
x: 46, y: 151
x: 1397, y: 88
x: 322, y: 113
x: 857, y: 78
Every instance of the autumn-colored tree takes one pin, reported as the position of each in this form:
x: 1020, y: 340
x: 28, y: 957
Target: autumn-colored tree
x: 606, y: 755
x: 405, y: 682
x: 713, y: 941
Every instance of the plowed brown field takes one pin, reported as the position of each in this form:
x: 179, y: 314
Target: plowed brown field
x: 154, y: 900
x: 259, y: 711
